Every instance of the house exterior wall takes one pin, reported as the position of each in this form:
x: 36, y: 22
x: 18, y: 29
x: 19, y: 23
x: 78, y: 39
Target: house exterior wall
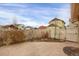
x: 58, y: 23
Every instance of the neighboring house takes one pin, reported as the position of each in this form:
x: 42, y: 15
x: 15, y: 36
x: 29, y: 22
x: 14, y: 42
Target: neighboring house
x: 42, y: 27
x: 56, y: 29
x: 9, y: 27
x: 57, y: 23
x: 20, y: 26
x: 29, y: 27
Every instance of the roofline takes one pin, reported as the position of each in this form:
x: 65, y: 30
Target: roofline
x: 56, y: 19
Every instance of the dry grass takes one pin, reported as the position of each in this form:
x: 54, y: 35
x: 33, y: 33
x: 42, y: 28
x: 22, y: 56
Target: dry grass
x: 14, y: 36
x: 36, y: 49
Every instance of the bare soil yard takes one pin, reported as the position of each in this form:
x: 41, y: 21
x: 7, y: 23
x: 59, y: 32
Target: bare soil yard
x: 36, y: 49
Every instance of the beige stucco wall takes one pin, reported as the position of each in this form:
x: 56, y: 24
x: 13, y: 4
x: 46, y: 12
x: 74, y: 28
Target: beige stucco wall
x: 58, y: 33
x: 58, y: 23
x: 72, y: 34
x: 50, y: 32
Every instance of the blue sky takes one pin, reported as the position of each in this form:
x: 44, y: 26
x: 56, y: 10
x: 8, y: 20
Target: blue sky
x: 33, y: 14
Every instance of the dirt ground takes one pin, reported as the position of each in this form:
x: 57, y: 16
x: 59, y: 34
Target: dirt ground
x: 36, y: 49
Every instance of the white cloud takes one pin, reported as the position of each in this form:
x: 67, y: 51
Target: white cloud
x: 19, y: 19
x: 13, y: 5
x: 62, y: 13
x: 45, y: 14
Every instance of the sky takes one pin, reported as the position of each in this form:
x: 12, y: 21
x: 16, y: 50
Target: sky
x: 33, y: 14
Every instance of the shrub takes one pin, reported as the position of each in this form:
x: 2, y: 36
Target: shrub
x: 13, y: 36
